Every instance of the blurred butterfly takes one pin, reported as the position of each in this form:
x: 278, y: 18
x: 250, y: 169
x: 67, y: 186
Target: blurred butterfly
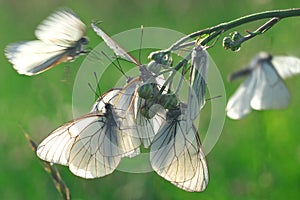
x: 94, y: 144
x: 264, y: 89
x: 60, y: 39
x: 176, y: 153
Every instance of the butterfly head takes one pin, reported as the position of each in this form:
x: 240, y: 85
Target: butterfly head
x: 83, y: 41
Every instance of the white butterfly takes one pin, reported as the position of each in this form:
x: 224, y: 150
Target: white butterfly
x: 176, y: 154
x: 93, y: 145
x: 264, y: 89
x: 60, y: 38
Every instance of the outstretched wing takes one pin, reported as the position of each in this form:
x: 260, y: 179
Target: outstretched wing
x: 286, y: 66
x: 239, y: 103
x: 270, y: 92
x: 59, y: 41
x: 62, y: 28
x: 34, y: 57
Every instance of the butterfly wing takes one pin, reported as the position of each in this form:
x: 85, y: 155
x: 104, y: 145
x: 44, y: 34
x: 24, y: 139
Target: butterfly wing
x: 62, y: 28
x: 81, y: 145
x: 176, y: 156
x: 200, y: 180
x: 147, y: 128
x: 107, y: 97
x: 198, y: 74
x: 286, y: 66
x: 124, y: 109
x: 118, y: 50
x: 59, y: 41
x: 34, y: 57
x: 270, y: 91
x: 238, y: 104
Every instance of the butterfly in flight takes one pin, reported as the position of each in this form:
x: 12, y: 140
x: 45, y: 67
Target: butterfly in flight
x: 60, y: 39
x: 264, y: 89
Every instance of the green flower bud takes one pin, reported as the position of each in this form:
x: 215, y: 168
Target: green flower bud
x: 227, y: 42
x: 145, y: 91
x: 168, y: 101
x: 235, y: 36
x: 235, y: 47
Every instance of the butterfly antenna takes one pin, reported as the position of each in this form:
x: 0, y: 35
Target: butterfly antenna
x: 94, y: 54
x: 120, y: 68
x: 215, y: 97
x: 97, y: 82
x: 118, y: 65
x: 95, y: 91
x: 141, y: 43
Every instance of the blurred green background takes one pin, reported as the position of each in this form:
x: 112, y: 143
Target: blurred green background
x: 255, y: 158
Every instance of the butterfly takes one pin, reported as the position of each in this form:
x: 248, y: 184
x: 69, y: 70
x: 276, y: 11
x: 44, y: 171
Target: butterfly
x: 264, y: 89
x: 94, y: 144
x: 176, y: 152
x: 60, y: 39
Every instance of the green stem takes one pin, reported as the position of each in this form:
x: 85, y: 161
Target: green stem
x: 218, y: 30
x: 280, y: 14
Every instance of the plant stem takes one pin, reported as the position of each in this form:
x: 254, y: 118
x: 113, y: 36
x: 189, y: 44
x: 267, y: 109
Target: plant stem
x: 218, y: 30
x: 280, y: 14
